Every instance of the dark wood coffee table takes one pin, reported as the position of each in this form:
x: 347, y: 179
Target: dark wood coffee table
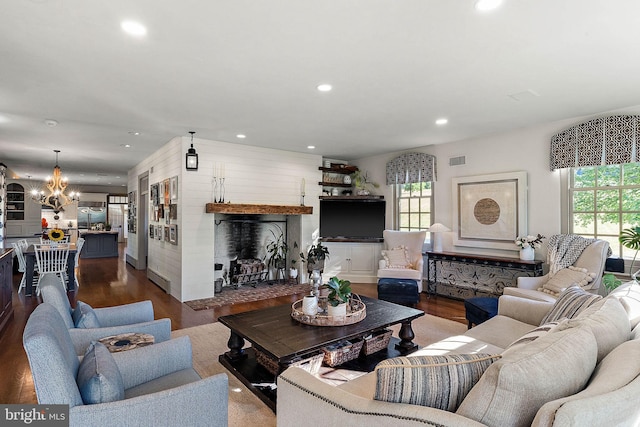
x: 275, y: 333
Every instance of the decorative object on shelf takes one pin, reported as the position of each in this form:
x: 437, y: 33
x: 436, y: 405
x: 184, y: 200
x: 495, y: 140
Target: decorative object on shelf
x: 302, y: 192
x: 364, y: 187
x: 630, y: 238
x: 44, y: 222
x: 527, y: 245
x: 191, y: 157
x: 436, y: 231
x: 316, y: 282
x: 347, y: 179
x: 56, y: 185
x: 218, y: 183
x: 335, y: 192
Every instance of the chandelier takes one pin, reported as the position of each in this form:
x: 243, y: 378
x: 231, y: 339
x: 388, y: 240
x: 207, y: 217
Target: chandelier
x: 56, y: 185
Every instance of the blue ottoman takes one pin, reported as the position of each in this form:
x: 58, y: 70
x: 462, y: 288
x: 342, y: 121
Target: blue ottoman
x: 480, y: 309
x: 398, y: 291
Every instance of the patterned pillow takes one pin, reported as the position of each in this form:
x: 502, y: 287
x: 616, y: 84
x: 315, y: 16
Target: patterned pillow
x: 397, y: 257
x: 437, y: 381
x: 99, y: 379
x: 567, y: 277
x: 84, y: 316
x: 569, y: 304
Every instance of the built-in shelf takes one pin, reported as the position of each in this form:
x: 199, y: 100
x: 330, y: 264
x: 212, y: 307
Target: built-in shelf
x: 334, y: 184
x: 235, y: 208
x: 347, y: 170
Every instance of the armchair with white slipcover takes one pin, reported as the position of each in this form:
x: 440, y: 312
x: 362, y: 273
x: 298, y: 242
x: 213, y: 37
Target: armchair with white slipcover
x: 400, y: 270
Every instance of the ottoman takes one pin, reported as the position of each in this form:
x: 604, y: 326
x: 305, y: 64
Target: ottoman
x: 398, y: 291
x: 480, y: 309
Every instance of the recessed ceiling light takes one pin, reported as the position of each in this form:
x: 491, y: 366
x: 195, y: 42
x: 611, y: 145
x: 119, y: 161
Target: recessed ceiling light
x: 134, y: 133
x: 241, y: 136
x: 51, y: 123
x: 442, y: 121
x: 324, y: 87
x: 311, y: 147
x: 125, y: 145
x: 485, y: 5
x: 133, y: 28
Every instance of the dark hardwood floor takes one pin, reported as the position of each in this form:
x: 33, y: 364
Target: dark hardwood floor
x: 110, y: 281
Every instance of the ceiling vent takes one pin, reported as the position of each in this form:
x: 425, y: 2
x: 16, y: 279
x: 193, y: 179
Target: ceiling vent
x: 457, y: 161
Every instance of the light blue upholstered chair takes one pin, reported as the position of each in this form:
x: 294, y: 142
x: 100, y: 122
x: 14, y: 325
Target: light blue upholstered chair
x: 88, y: 324
x: 157, y: 384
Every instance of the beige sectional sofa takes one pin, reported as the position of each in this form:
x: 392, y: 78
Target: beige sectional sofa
x: 577, y: 372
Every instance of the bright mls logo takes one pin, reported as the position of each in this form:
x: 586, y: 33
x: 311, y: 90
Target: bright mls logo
x: 35, y: 415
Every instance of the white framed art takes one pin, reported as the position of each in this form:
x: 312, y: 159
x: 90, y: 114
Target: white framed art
x: 490, y: 211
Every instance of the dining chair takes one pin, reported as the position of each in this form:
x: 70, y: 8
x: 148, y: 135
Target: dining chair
x: 52, y: 260
x: 22, y: 264
x: 79, y: 244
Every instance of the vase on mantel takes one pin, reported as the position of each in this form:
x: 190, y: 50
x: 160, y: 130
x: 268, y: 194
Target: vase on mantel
x: 527, y: 254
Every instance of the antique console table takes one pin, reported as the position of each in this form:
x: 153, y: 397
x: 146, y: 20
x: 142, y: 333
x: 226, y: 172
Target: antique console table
x: 476, y: 275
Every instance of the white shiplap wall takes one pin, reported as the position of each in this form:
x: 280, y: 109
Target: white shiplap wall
x: 254, y: 175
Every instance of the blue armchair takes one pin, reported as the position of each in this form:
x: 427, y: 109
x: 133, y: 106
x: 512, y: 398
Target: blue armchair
x: 158, y: 385
x: 97, y: 323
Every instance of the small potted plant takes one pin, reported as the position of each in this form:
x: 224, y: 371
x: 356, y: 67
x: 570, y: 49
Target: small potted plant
x: 339, y: 294
x: 315, y: 257
x: 364, y: 187
x: 630, y: 238
x: 277, y: 250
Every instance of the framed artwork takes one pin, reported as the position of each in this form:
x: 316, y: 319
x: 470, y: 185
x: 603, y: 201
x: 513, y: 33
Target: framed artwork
x: 166, y: 191
x: 158, y: 232
x: 173, y: 234
x: 173, y: 211
x: 174, y: 188
x: 155, y: 191
x: 131, y: 212
x: 152, y: 231
x: 490, y: 211
x: 166, y: 233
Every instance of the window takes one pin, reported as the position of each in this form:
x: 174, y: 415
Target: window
x: 415, y: 203
x: 604, y: 200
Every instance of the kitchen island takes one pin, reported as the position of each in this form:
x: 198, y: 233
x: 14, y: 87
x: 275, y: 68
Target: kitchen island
x: 99, y: 244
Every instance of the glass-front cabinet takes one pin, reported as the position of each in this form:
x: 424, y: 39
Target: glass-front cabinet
x: 22, y: 214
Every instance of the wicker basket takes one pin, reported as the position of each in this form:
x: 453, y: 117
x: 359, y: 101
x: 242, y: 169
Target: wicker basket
x: 378, y: 341
x: 311, y: 364
x: 342, y: 352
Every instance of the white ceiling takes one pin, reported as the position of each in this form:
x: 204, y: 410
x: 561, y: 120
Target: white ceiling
x: 245, y: 66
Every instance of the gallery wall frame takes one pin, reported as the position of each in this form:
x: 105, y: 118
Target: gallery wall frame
x: 490, y: 211
x: 174, y: 188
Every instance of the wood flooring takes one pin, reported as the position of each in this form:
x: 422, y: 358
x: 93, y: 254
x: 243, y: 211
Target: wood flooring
x: 110, y: 281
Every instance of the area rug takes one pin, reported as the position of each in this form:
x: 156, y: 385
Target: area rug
x: 248, y: 293
x: 209, y: 341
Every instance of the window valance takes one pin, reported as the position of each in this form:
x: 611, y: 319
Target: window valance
x: 410, y: 168
x: 602, y: 141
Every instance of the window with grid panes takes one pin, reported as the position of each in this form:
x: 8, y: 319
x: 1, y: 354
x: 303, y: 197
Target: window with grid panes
x: 604, y: 200
x: 414, y: 206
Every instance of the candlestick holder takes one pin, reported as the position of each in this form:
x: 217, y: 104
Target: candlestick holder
x: 302, y: 200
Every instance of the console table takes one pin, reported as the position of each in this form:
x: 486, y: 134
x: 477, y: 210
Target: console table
x: 476, y: 275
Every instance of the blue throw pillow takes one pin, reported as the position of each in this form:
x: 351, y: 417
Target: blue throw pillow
x: 99, y: 379
x: 84, y: 316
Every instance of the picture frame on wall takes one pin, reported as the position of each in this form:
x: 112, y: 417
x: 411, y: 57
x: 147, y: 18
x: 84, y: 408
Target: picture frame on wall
x: 174, y: 188
x: 173, y: 212
x: 155, y: 189
x: 490, y: 211
x: 166, y: 233
x: 173, y: 234
x: 166, y: 193
x: 152, y: 231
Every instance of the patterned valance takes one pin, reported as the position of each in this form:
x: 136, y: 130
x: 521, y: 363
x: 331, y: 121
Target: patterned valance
x: 602, y: 141
x: 411, y: 167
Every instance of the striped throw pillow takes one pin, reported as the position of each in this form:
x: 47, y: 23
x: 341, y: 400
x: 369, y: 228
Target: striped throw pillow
x: 569, y: 304
x: 437, y: 381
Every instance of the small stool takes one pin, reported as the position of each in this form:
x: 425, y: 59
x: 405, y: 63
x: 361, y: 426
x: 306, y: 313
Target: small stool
x: 480, y: 309
x: 398, y: 291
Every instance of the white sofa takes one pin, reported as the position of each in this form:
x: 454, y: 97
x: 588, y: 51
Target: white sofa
x: 581, y: 361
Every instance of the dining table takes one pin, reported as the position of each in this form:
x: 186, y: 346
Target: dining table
x: 30, y: 259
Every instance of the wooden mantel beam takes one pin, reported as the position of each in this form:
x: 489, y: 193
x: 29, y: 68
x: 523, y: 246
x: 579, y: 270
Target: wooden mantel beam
x: 234, y: 208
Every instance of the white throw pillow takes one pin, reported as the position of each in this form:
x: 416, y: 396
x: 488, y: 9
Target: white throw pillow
x: 567, y: 277
x: 397, y: 257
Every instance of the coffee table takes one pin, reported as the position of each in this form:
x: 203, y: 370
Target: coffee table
x: 276, y: 334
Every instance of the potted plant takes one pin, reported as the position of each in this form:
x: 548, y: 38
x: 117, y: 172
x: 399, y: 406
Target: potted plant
x: 364, y: 187
x: 630, y: 238
x: 339, y: 294
x: 315, y: 257
x: 293, y: 270
x: 277, y: 250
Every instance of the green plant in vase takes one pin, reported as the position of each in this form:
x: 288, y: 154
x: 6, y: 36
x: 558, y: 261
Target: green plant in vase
x: 277, y: 250
x: 339, y: 291
x: 315, y: 257
x: 630, y: 238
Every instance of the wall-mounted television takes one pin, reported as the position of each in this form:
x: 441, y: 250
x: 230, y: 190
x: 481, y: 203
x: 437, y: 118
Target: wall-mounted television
x: 352, y: 218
